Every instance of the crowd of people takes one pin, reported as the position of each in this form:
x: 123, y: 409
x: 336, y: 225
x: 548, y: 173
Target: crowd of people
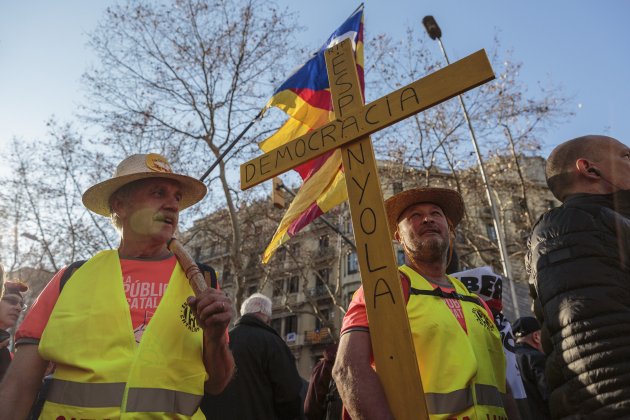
x: 108, y: 353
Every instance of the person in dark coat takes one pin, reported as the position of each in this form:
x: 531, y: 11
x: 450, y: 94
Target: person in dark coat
x: 579, y: 267
x: 531, y: 363
x: 322, y: 399
x: 266, y: 384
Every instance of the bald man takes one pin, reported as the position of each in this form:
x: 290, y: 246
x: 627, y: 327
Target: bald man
x: 579, y: 269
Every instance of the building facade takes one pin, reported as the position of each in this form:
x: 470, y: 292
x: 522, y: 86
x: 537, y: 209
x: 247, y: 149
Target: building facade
x: 312, y: 278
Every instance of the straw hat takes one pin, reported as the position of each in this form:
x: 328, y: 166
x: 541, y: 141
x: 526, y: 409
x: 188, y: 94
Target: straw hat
x: 141, y: 166
x: 449, y: 201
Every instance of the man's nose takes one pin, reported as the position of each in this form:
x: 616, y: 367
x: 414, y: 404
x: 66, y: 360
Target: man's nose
x: 172, y: 203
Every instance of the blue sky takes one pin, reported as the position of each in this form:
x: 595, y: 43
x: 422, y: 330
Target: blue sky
x: 580, y: 45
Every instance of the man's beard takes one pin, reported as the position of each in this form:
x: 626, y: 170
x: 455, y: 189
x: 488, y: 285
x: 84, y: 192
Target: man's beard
x: 429, y: 250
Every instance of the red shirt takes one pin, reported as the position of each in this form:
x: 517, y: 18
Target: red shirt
x: 145, y: 282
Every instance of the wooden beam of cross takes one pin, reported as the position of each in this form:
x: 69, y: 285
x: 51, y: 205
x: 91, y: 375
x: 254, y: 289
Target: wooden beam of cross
x: 392, y: 343
x: 450, y: 81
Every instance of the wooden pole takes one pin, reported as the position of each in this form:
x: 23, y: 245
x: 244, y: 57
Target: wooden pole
x: 193, y: 273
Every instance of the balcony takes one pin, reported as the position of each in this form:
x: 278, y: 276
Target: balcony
x: 321, y: 336
x: 324, y: 253
x: 317, y: 292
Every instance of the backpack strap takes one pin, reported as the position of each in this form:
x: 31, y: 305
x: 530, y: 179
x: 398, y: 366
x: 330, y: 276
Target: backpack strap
x: 69, y: 272
x: 209, y: 274
x: 438, y: 292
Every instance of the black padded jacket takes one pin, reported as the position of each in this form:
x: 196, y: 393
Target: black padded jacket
x: 579, y: 267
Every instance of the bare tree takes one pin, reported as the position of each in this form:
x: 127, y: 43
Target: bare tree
x: 183, y: 79
x: 49, y: 227
x: 508, y: 125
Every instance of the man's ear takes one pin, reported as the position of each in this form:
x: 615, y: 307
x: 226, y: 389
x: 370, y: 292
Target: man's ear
x: 117, y: 205
x: 587, y: 169
x: 397, y: 236
x: 536, y: 336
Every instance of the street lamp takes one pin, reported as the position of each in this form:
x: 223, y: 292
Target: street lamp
x: 435, y: 33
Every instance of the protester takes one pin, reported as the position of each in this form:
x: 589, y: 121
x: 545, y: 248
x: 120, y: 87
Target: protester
x: 580, y: 272
x: 470, y: 365
x: 531, y: 362
x: 93, y: 326
x: 488, y: 285
x: 266, y: 384
x: 322, y: 399
x: 11, y: 305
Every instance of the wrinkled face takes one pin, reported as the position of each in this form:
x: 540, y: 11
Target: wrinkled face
x: 10, y: 308
x: 614, y: 164
x: 423, y: 230
x: 151, y: 210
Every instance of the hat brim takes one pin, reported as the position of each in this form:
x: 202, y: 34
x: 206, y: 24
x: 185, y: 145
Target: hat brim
x: 96, y: 198
x: 449, y: 201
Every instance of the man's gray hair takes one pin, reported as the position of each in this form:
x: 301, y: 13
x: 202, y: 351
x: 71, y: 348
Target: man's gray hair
x: 256, y: 303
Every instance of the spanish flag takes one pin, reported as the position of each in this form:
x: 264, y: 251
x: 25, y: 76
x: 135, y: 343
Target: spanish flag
x: 305, y: 97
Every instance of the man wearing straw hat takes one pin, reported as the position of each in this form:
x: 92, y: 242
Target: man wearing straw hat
x: 457, y: 344
x: 126, y: 335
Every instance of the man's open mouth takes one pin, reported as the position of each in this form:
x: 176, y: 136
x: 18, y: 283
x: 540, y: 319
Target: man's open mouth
x: 164, y: 219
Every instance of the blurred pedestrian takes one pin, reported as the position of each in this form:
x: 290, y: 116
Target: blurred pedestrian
x: 266, y: 384
x: 531, y: 362
x: 11, y: 305
x: 322, y: 399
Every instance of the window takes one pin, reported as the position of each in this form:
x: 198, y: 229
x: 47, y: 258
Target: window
x: 492, y: 234
x: 353, y: 263
x: 290, y: 324
x: 276, y: 324
x: 227, y: 275
x: 294, y: 284
x: 347, y: 225
x: 295, y: 250
x: 397, y: 187
x: 323, y: 276
x: 325, y: 314
x: 251, y: 290
x: 281, y: 254
x: 323, y: 242
x: 278, y: 287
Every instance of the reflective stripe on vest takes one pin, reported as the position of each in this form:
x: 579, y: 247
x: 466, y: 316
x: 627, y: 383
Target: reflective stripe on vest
x: 96, y: 395
x: 145, y: 400
x: 461, y: 399
x: 488, y: 395
x: 86, y: 395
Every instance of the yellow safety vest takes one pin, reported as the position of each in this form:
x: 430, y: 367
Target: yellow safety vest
x: 102, y: 373
x: 466, y: 381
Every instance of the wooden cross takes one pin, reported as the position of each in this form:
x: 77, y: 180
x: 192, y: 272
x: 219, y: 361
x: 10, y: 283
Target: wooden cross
x: 392, y: 343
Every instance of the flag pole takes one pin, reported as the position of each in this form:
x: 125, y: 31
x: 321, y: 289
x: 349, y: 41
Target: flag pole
x: 231, y: 145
